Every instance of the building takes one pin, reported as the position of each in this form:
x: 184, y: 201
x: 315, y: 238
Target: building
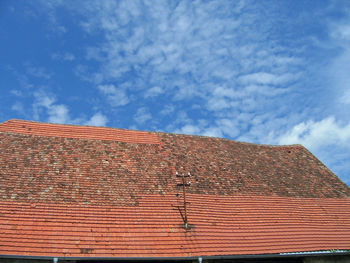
x: 93, y: 194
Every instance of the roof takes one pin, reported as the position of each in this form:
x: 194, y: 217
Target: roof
x: 79, y: 191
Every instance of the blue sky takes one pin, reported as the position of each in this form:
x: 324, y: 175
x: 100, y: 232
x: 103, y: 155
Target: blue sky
x: 271, y: 72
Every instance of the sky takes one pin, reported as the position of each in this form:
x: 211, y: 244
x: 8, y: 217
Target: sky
x: 266, y: 71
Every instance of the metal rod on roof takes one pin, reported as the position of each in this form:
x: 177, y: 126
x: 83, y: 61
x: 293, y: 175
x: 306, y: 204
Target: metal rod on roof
x: 184, y: 184
x: 185, y: 205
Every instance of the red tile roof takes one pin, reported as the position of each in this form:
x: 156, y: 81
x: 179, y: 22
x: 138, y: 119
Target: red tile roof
x: 222, y: 225
x: 74, y: 191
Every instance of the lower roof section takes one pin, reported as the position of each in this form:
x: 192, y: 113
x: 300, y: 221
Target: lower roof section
x: 218, y: 225
x: 290, y: 257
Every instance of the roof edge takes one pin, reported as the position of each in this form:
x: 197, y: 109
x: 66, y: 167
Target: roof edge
x: 324, y: 165
x: 252, y: 256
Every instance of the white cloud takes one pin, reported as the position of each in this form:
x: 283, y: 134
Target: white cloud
x: 38, y: 72
x: 339, y: 76
x: 43, y: 100
x: 154, y: 92
x: 219, y: 103
x: 225, y: 92
x: 338, y: 69
x: 223, y: 127
x: 98, y: 119
x: 212, y: 132
x: 167, y: 109
x: 57, y: 113
x: 65, y: 56
x: 229, y: 127
x: 68, y: 56
x: 345, y: 98
x: 191, y: 50
x: 188, y: 129
x: 266, y: 78
x: 116, y: 97
x: 341, y: 32
x: 315, y: 135
x: 263, y: 90
x: 16, y: 92
x: 49, y: 7
x: 18, y: 107
x: 45, y: 104
x: 201, y: 39
x: 142, y: 115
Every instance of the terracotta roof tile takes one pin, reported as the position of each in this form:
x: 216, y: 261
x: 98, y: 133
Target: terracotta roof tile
x: 231, y: 226
x: 74, y: 191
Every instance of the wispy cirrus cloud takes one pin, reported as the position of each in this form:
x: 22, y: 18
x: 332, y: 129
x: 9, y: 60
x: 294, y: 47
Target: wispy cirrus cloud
x: 229, y: 56
x: 115, y: 96
x: 154, y: 92
x: 338, y: 71
x: 191, y: 49
x: 142, y: 115
x: 65, y: 56
x: 38, y: 72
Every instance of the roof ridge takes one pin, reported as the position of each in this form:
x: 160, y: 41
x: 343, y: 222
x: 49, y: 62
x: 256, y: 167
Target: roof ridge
x: 78, y: 131
x: 236, y: 141
x: 70, y: 124
x: 152, y: 132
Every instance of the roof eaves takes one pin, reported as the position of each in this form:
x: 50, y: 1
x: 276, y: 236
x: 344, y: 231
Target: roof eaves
x: 199, y: 258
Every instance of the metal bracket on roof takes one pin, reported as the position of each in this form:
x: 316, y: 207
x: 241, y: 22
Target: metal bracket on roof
x: 184, y: 184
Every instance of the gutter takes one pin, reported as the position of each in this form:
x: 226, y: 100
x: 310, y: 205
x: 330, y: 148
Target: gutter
x: 318, y: 253
x: 198, y: 258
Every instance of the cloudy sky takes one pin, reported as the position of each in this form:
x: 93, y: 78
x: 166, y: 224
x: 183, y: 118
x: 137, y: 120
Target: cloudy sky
x: 271, y: 72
